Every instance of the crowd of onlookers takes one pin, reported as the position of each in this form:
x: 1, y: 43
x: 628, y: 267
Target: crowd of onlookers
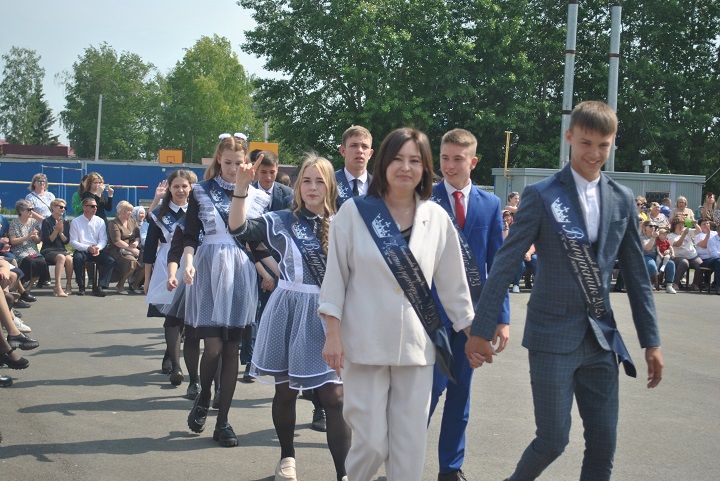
x: 97, y: 251
x: 675, y: 240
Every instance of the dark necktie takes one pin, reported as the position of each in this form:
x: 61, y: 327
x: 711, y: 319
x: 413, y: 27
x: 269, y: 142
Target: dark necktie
x: 459, y: 209
x: 356, y: 190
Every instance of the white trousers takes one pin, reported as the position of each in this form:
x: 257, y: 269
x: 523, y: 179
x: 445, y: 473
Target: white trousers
x: 387, y: 409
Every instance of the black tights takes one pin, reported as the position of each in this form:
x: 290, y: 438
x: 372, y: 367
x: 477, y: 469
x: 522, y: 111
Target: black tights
x: 338, y: 433
x: 191, y: 354
x: 215, y: 350
x: 172, y: 340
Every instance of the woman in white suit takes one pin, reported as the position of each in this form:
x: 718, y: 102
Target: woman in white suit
x: 374, y: 335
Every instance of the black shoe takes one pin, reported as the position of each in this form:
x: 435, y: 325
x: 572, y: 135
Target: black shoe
x: 27, y: 297
x: 452, y: 476
x: 216, y: 400
x: 193, y: 390
x: 22, y: 304
x: 98, y: 292
x: 5, y: 381
x: 21, y: 363
x: 42, y: 284
x: 247, y: 378
x: 81, y: 291
x: 166, y: 365
x: 17, y: 313
x: 23, y: 342
x: 197, y: 417
x: 225, y: 436
x: 319, y: 423
x: 176, y: 377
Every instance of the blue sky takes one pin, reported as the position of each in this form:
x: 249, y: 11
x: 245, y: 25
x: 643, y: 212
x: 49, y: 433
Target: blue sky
x: 157, y: 30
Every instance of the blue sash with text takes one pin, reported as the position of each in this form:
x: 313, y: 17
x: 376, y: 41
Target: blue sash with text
x: 576, y: 244
x: 406, y: 270
x: 343, y: 187
x: 221, y: 202
x: 303, y: 235
x: 167, y: 223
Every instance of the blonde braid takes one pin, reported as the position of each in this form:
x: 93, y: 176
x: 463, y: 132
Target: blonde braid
x: 325, y: 233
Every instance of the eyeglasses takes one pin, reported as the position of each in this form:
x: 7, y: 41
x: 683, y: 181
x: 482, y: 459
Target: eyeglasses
x: 41, y: 182
x: 61, y: 207
x: 639, y: 204
x: 92, y: 206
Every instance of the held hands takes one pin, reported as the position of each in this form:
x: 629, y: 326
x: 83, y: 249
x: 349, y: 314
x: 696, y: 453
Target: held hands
x: 189, y: 274
x: 654, y: 359
x: 478, y: 351
x: 268, y: 284
x: 245, y: 174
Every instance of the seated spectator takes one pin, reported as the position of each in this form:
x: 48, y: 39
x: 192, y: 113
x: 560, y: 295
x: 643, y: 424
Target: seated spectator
x: 124, y: 247
x: 55, y: 235
x: 707, y: 210
x: 9, y: 276
x: 5, y: 240
x: 39, y: 197
x: 77, y: 197
x: 93, y: 189
x: 641, y: 205
x: 657, y: 217
x: 664, y: 249
x: 139, y: 215
x: 24, y: 234
x: 284, y: 179
x: 88, y: 236
x: 513, y: 202
x: 666, y: 207
x: 681, y: 208
x: 708, y: 248
x: 507, y: 219
x: 648, y: 239
x: 685, y: 254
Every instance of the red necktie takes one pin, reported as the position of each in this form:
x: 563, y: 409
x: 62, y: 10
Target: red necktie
x: 459, y: 209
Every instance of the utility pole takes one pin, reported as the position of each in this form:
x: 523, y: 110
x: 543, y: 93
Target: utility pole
x: 97, y: 135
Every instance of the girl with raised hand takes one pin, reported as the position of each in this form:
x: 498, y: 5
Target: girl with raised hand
x: 291, y: 336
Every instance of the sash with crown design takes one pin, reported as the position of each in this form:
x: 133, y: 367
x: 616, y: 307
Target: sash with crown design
x: 343, y: 187
x: 167, y: 223
x: 221, y: 202
x: 575, y: 242
x: 472, y: 271
x: 406, y: 270
x: 303, y: 235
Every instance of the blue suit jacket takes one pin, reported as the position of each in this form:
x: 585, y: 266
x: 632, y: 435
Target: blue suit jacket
x: 282, y: 196
x: 557, y: 318
x: 483, y: 231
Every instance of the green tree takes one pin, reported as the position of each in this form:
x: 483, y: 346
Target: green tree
x: 25, y: 117
x: 131, y: 103
x: 206, y: 94
x: 491, y: 66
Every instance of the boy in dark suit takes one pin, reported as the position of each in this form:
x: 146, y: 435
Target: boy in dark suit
x: 281, y: 195
x: 356, y: 149
x: 580, y: 221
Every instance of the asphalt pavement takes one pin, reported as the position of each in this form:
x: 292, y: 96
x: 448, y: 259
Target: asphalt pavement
x: 94, y: 406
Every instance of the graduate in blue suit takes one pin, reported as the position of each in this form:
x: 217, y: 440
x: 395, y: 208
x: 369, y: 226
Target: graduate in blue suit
x: 580, y: 221
x: 356, y: 149
x: 477, y: 216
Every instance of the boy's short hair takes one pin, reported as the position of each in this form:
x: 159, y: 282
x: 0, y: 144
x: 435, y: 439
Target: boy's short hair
x: 662, y: 230
x: 461, y: 137
x: 356, y: 131
x: 595, y: 116
x: 269, y: 159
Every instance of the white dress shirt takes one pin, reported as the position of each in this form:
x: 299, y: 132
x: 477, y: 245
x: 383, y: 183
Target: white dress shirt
x: 464, y: 199
x: 362, y: 181
x: 589, y: 197
x: 86, y: 232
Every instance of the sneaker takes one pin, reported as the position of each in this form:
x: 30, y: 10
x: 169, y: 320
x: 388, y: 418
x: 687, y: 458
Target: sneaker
x: 516, y: 289
x: 670, y: 289
x: 21, y: 326
x: 319, y: 422
x: 662, y: 268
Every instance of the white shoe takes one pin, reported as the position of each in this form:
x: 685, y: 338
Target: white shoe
x: 285, y: 470
x: 662, y: 268
x: 344, y: 478
x: 670, y: 289
x: 516, y: 289
x: 21, y: 326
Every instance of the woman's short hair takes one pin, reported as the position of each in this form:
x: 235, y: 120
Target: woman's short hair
x: 22, y: 205
x: 57, y: 201
x: 389, y: 148
x: 124, y: 205
x: 35, y: 178
x: 676, y: 221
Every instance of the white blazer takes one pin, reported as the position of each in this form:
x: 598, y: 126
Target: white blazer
x: 378, y: 324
